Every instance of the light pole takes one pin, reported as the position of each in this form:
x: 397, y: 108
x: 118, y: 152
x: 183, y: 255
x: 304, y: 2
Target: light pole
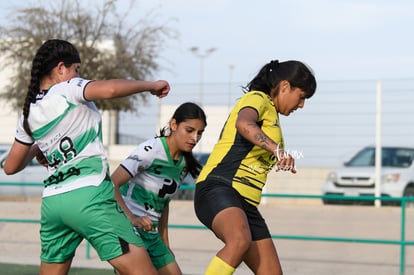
x: 202, y: 56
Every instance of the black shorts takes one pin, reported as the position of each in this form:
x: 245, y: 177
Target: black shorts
x: 211, y: 197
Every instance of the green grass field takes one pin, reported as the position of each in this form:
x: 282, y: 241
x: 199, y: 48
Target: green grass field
x: 15, y: 269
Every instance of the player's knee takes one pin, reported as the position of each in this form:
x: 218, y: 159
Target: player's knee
x: 240, y: 242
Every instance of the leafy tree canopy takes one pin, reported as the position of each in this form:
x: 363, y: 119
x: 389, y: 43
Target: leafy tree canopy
x: 108, y: 46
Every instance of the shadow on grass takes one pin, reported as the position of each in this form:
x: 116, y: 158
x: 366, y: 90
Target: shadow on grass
x: 17, y: 269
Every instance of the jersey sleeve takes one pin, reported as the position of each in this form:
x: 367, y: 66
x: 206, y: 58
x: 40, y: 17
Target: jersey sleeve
x: 139, y: 160
x: 21, y: 135
x: 253, y: 99
x: 76, y: 89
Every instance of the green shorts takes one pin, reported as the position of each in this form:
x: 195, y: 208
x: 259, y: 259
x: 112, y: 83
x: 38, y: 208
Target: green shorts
x: 159, y: 253
x: 91, y: 213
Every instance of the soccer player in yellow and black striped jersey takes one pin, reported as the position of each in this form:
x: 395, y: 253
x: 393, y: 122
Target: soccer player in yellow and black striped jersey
x: 229, y: 187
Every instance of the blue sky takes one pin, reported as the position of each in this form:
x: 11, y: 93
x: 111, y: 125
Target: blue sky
x: 339, y: 39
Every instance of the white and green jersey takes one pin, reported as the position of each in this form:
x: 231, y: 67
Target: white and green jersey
x: 155, y: 178
x: 68, y: 130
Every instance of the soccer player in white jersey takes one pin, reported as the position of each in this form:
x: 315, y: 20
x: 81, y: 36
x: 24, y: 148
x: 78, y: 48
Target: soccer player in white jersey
x: 61, y: 125
x: 147, y: 179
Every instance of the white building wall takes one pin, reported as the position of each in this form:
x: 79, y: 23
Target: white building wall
x: 8, y: 116
x: 8, y: 123
x: 216, y: 116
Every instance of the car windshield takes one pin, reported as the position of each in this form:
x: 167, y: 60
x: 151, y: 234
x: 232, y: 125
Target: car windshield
x: 391, y: 157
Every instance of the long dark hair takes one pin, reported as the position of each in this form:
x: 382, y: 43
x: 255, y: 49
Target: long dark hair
x: 46, y: 58
x: 270, y: 75
x: 185, y: 111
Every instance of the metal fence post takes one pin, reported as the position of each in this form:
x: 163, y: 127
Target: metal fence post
x: 402, y: 246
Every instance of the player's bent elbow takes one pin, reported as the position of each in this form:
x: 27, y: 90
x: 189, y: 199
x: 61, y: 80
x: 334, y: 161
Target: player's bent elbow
x: 8, y: 170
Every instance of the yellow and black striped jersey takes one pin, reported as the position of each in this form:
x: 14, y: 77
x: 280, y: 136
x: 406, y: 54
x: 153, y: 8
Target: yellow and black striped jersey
x: 235, y: 160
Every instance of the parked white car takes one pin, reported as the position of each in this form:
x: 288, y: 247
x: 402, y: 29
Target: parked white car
x: 357, y: 176
x: 26, y: 183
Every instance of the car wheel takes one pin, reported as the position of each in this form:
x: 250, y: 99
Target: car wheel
x: 409, y: 192
x: 326, y: 201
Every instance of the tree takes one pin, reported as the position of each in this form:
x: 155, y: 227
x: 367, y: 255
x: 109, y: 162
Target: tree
x: 108, y: 47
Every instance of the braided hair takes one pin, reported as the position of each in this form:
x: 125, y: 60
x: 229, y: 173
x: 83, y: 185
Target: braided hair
x: 46, y: 58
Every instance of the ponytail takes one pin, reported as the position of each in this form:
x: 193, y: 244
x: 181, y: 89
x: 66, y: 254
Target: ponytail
x: 45, y: 60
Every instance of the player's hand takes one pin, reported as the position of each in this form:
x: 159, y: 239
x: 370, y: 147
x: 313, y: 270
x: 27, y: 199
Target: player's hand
x: 285, y: 162
x: 161, y: 88
x: 42, y: 159
x: 144, y: 223
x: 39, y: 155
